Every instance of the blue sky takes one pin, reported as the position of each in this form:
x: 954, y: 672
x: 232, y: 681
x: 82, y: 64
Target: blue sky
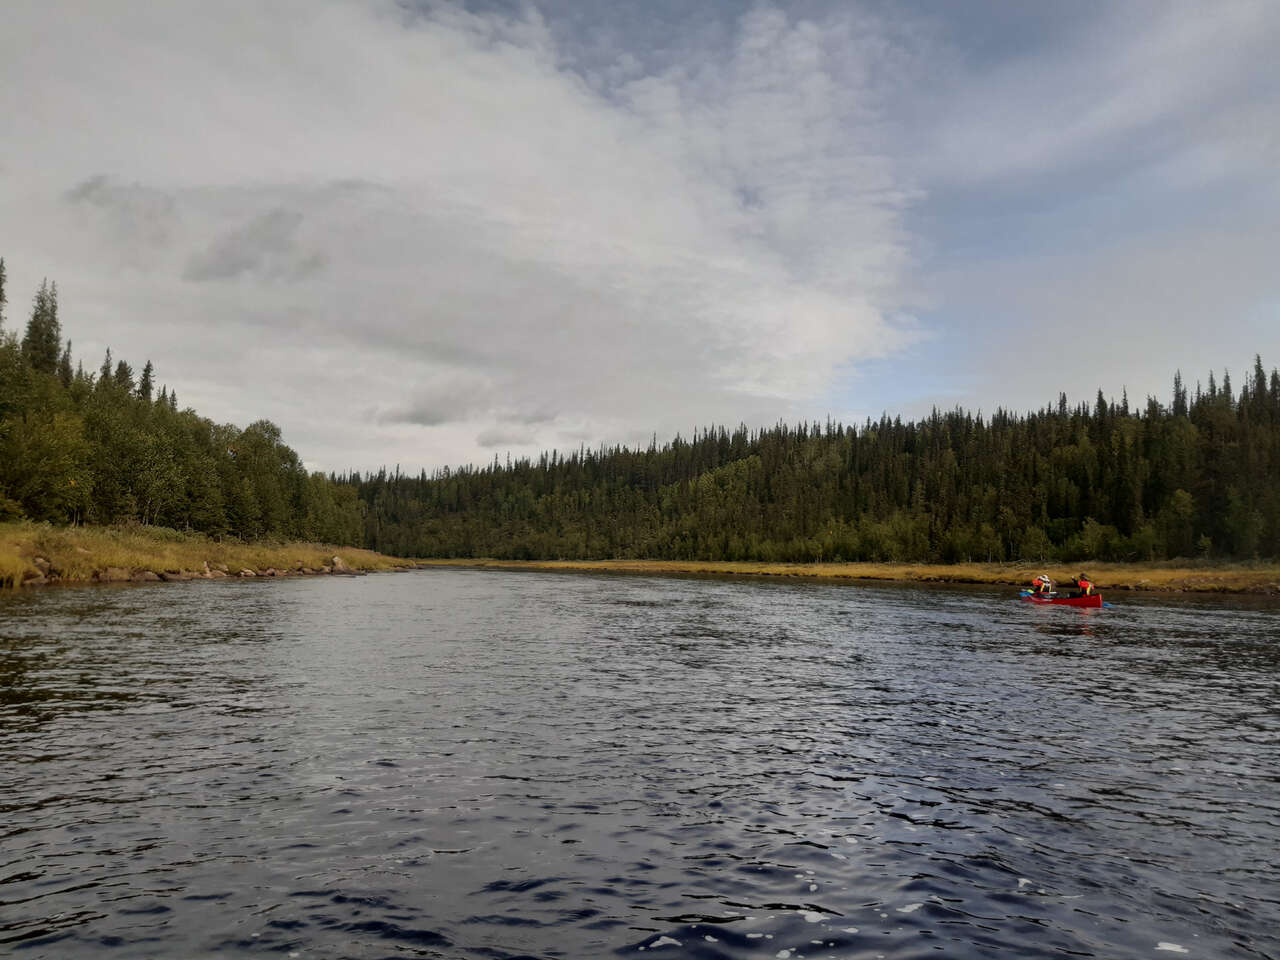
x: 425, y: 232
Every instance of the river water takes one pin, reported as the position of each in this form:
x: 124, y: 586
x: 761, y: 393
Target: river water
x: 463, y: 763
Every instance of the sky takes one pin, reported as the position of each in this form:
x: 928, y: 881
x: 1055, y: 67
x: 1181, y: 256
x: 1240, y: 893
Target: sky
x: 426, y: 233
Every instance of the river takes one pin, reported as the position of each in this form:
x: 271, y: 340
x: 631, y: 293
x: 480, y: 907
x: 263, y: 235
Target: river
x: 483, y: 764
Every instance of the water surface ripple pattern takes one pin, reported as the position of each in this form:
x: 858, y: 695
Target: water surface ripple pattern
x: 455, y: 763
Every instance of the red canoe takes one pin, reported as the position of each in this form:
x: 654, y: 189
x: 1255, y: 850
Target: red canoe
x: 1092, y: 600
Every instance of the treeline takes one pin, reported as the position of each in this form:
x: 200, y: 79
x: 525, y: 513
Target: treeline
x: 105, y: 447
x: 1197, y: 477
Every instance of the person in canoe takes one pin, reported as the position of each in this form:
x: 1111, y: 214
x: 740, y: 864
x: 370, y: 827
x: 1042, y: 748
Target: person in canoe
x: 1042, y: 586
x: 1083, y: 584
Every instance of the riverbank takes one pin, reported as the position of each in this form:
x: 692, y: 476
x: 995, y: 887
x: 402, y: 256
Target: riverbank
x: 34, y: 554
x: 1261, y: 578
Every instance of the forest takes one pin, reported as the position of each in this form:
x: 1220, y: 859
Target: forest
x: 107, y: 447
x: 1198, y: 476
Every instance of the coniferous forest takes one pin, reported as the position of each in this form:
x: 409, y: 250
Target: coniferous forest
x: 110, y: 446
x: 1198, y: 476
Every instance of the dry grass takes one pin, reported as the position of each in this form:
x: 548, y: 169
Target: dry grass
x: 79, y: 553
x: 1178, y: 576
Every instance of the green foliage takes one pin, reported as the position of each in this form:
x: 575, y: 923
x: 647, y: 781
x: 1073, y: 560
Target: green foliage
x: 43, y: 340
x: 1099, y: 481
x: 80, y: 449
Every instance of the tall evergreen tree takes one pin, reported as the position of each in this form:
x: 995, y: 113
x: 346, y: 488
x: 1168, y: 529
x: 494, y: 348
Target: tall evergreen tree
x: 3, y: 298
x: 123, y: 377
x: 147, y: 383
x: 42, y: 343
x: 64, y: 366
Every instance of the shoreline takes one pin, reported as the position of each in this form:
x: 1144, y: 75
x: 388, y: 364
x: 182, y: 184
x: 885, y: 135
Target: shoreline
x: 36, y: 555
x: 1169, y: 577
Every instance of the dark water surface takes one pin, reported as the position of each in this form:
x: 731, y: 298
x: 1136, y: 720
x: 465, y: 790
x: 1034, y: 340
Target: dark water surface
x: 457, y: 763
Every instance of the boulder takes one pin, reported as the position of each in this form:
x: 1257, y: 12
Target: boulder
x: 43, y: 565
x: 113, y: 575
x: 246, y: 572
x: 341, y: 566
x: 222, y: 566
x: 307, y: 571
x: 216, y: 574
x: 30, y: 579
x: 171, y: 576
x: 145, y: 576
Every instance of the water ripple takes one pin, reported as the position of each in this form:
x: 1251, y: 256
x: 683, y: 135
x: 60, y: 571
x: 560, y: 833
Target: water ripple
x: 482, y: 764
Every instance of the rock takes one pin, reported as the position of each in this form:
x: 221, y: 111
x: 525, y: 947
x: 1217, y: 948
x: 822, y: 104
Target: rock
x: 216, y: 574
x: 246, y: 572
x: 326, y: 569
x: 222, y: 566
x: 171, y: 576
x: 307, y: 572
x: 341, y: 566
x: 30, y: 579
x: 145, y: 576
x: 43, y: 565
x: 113, y: 575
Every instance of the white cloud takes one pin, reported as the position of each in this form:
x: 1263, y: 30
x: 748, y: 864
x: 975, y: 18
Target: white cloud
x: 397, y: 235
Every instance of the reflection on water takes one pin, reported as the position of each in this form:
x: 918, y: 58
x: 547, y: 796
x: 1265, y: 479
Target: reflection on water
x: 481, y: 764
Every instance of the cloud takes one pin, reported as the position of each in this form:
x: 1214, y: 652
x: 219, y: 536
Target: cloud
x: 505, y: 437
x: 410, y: 232
x: 266, y: 245
x: 700, y: 239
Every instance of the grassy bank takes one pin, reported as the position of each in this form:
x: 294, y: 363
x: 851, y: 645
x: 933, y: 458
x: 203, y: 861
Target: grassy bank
x: 37, y: 553
x: 1174, y: 576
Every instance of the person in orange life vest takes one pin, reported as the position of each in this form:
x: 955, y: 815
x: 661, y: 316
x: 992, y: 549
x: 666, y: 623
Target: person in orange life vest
x: 1041, y: 585
x: 1084, y: 583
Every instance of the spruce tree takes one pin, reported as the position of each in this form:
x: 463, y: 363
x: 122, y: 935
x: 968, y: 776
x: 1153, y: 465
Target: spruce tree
x: 43, y: 340
x: 146, y: 384
x: 124, y: 376
x: 3, y: 298
x: 64, y: 365
x: 104, y: 372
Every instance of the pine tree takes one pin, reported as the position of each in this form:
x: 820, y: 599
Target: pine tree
x: 3, y: 298
x: 64, y: 366
x: 124, y: 377
x: 43, y: 340
x: 146, y: 383
x: 1179, y: 396
x: 104, y: 372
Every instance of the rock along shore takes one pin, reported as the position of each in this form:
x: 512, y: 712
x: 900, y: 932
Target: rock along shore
x: 46, y: 573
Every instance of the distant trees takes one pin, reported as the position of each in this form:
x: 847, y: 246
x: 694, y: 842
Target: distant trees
x: 1198, y: 477
x: 77, y: 447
